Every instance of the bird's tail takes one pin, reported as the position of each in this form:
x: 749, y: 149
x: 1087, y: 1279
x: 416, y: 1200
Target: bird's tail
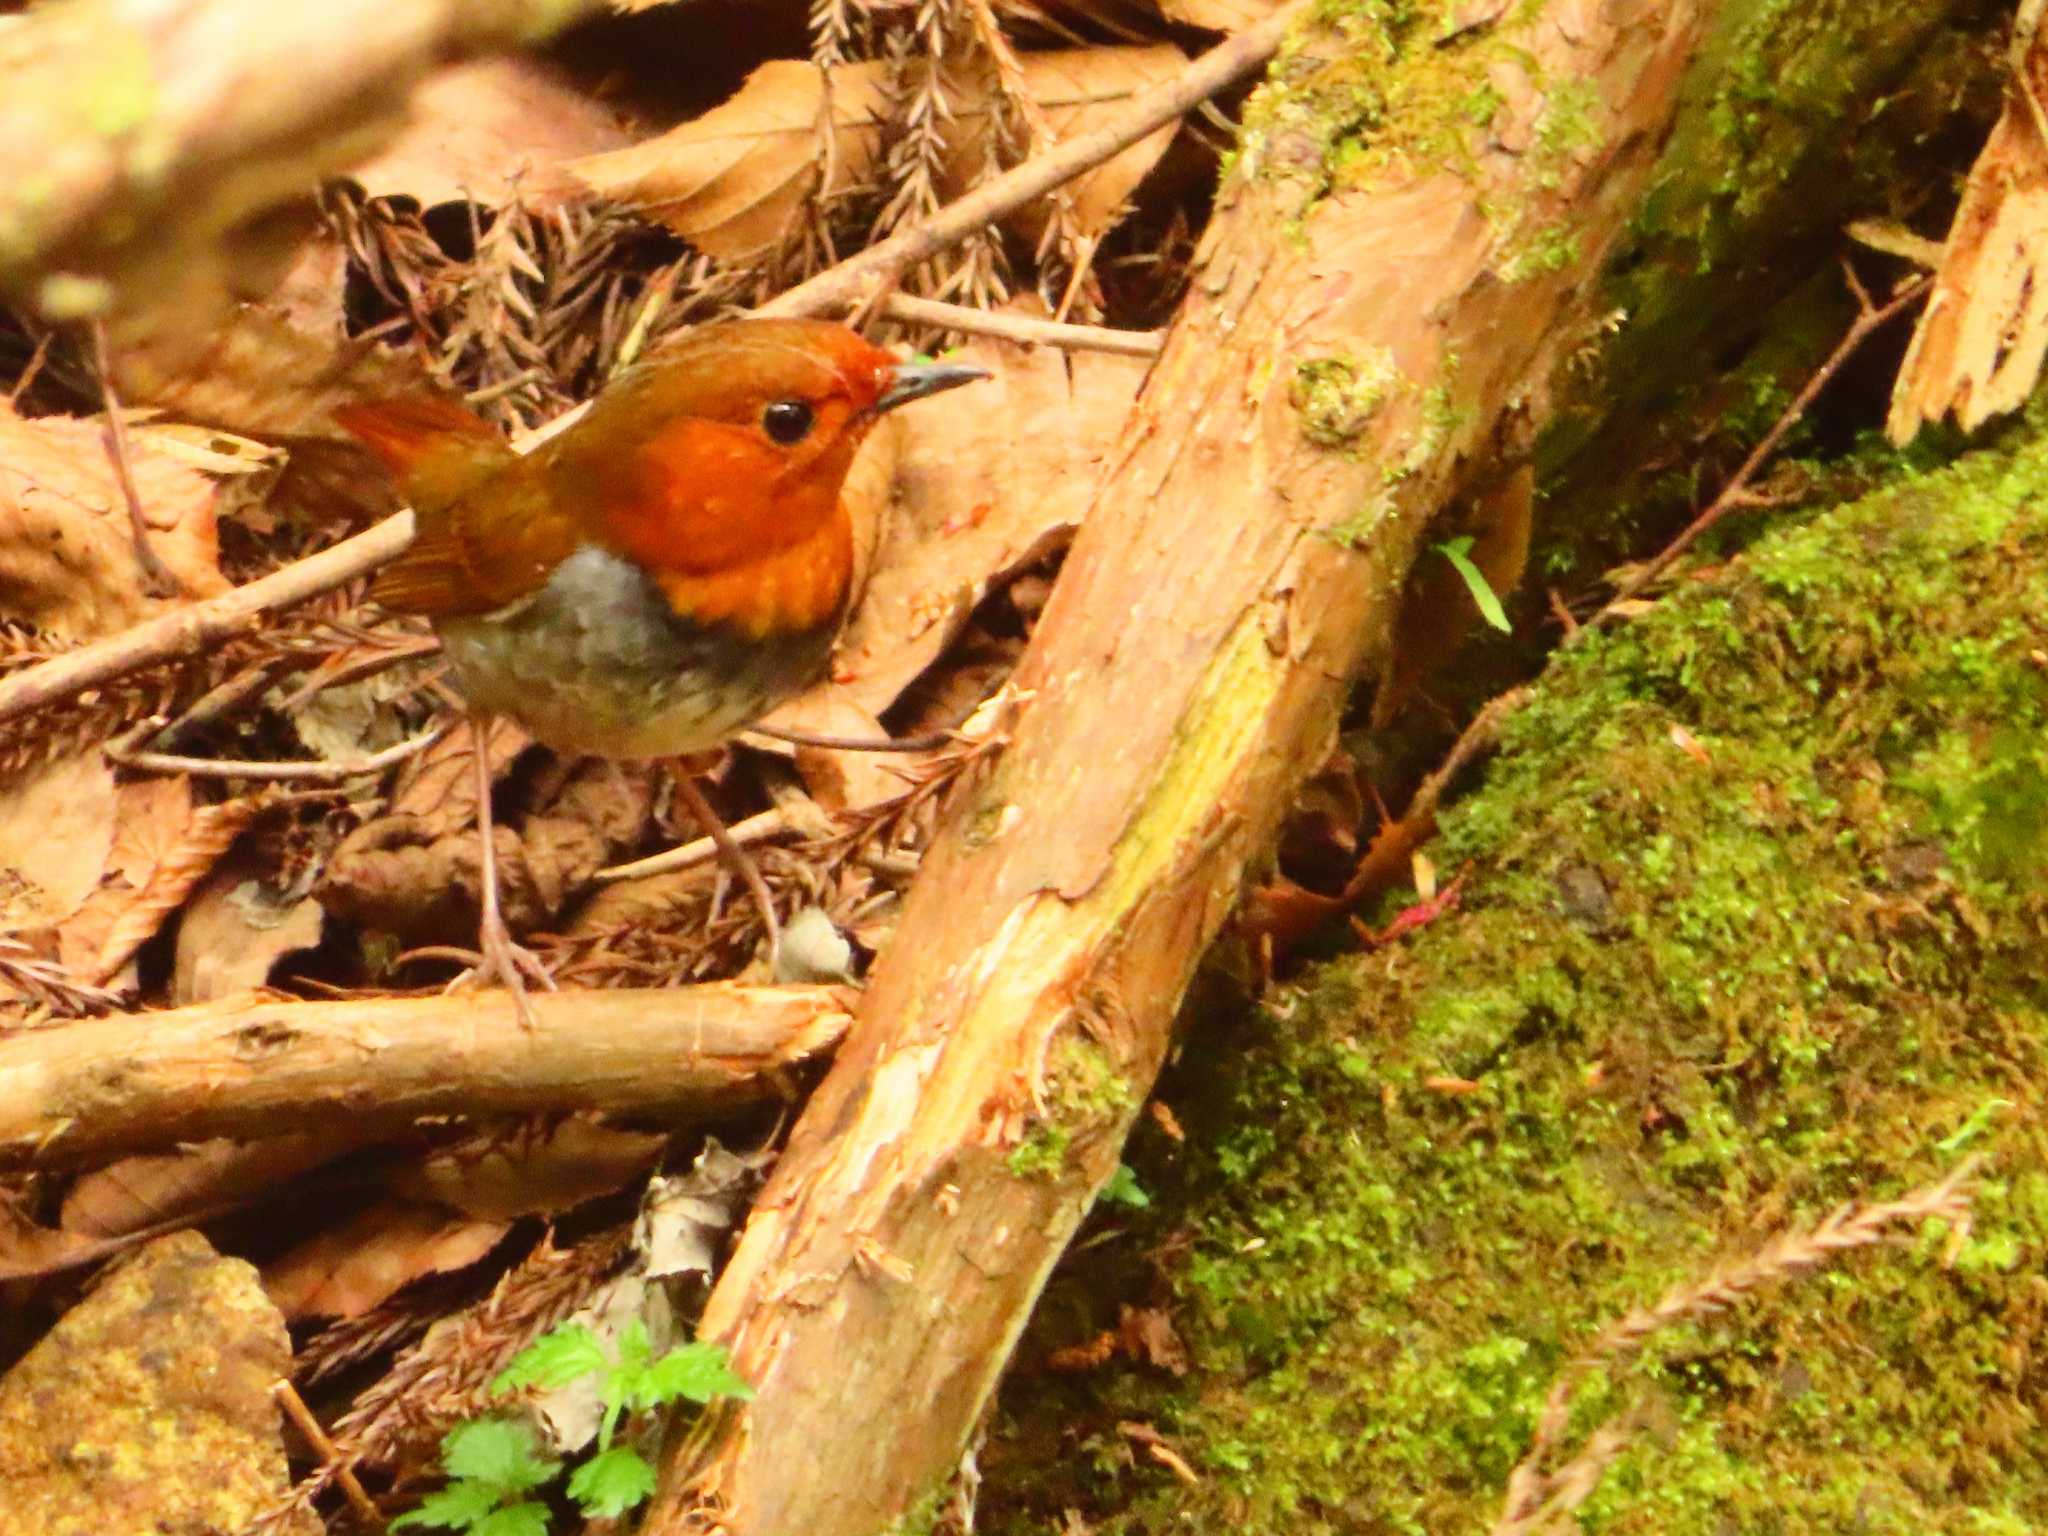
x: 434, y: 448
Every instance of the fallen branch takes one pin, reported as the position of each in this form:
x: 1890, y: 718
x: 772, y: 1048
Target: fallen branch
x: 244, y: 1067
x: 269, y: 772
x: 1388, y: 858
x: 757, y: 828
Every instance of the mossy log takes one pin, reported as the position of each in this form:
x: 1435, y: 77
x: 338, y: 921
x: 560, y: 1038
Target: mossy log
x: 1755, y: 921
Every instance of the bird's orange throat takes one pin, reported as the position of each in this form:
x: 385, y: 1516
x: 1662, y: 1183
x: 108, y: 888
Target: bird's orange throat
x: 799, y: 587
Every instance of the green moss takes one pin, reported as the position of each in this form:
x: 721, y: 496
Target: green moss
x: 1042, y: 1154
x: 1703, y: 1003
x: 1337, y: 397
x: 1082, y: 1090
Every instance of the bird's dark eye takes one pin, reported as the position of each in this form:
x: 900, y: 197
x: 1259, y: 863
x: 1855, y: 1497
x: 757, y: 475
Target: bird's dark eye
x: 787, y: 421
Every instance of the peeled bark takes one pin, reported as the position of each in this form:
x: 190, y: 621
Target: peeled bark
x: 1233, y: 577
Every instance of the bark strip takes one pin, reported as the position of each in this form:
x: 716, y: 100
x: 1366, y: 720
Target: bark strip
x: 1230, y: 581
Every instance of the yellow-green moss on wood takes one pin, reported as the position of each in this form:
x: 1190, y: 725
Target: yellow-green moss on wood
x: 1703, y: 1002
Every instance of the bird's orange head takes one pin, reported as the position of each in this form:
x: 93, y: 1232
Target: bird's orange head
x: 716, y: 466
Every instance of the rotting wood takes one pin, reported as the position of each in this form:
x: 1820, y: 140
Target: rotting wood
x: 1229, y: 582
x: 245, y: 1066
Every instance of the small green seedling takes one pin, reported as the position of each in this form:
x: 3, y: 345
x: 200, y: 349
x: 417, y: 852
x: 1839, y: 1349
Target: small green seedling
x: 1459, y: 552
x: 491, y: 1463
x: 1124, y: 1189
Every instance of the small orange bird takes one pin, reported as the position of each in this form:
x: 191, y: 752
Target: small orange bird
x: 656, y: 577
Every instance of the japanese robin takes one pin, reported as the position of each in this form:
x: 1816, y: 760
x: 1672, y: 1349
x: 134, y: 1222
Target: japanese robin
x: 657, y: 576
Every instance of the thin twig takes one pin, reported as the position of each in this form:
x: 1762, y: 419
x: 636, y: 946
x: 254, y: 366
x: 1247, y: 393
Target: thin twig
x: 405, y: 649
x: 215, y: 703
x: 755, y: 829
x: 295, y: 773
x: 737, y: 859
x: 296, y: 1410
x: 1387, y: 858
x: 1736, y: 493
x: 34, y: 369
x: 908, y: 745
x: 158, y: 578
x: 1022, y: 328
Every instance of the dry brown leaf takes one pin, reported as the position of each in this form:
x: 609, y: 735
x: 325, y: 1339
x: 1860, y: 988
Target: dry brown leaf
x: 56, y: 834
x: 1149, y: 1336
x: 734, y: 181
x: 988, y: 481
x: 488, y: 131
x: 686, y: 1218
x: 174, y: 848
x: 155, y: 815
x: 67, y: 559
x: 1083, y: 89
x: 418, y: 873
x: 233, y: 932
x: 256, y: 371
x: 499, y: 1178
x: 351, y: 1268
x: 29, y: 1249
x: 439, y: 786
x: 150, y: 818
x: 141, y: 1192
x: 1978, y: 347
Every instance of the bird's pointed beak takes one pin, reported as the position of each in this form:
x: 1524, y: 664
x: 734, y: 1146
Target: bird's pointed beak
x: 913, y: 381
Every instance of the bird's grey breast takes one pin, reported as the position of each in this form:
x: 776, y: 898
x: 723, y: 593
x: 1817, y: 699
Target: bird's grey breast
x: 597, y: 661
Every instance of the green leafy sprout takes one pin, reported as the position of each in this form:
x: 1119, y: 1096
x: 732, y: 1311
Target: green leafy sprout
x: 492, y: 1464
x: 1458, y: 552
x: 1124, y: 1189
